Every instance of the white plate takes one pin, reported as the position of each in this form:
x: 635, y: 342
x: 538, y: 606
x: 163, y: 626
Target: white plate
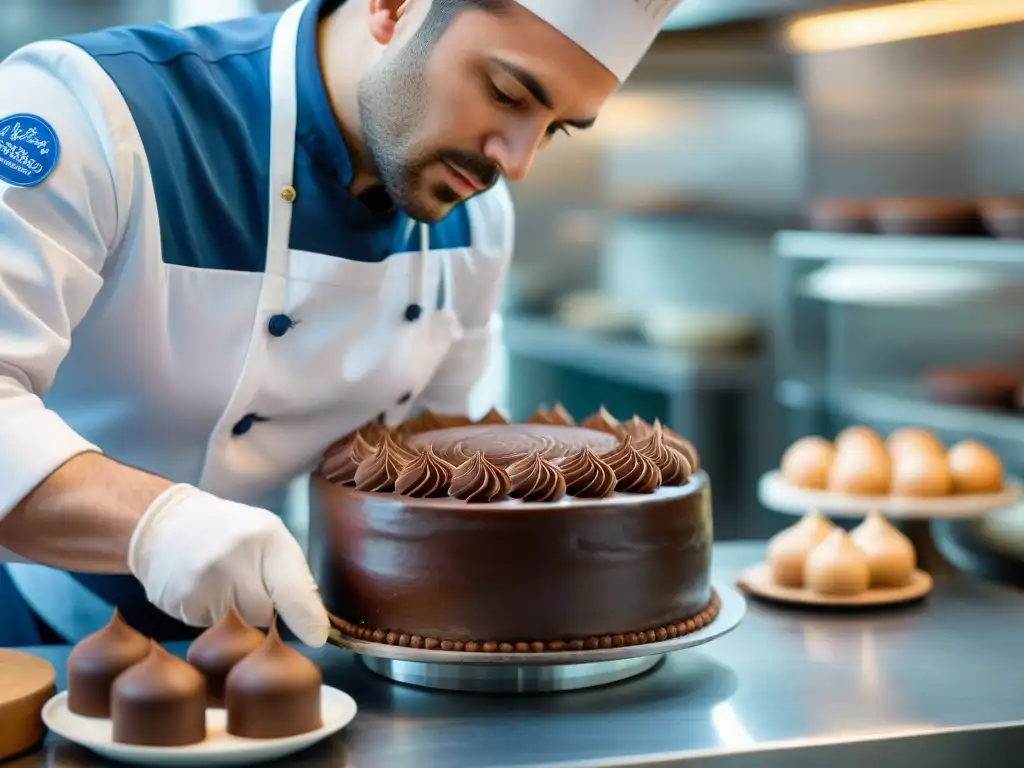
x: 900, y: 285
x: 219, y: 748
x: 778, y: 495
x: 757, y: 580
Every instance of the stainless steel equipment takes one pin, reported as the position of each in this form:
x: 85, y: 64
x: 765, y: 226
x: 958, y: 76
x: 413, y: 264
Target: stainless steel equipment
x: 935, y: 684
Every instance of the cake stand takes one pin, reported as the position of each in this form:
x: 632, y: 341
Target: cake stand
x: 547, y: 672
x: 915, y: 513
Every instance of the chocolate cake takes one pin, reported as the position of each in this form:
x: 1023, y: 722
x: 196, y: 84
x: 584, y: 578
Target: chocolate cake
x: 218, y: 649
x: 274, y: 692
x: 489, y: 536
x: 97, y: 660
x: 159, y: 702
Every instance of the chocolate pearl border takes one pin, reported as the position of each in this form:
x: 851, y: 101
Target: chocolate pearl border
x: 656, y: 635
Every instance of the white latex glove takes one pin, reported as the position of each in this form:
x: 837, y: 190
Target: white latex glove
x: 197, y: 554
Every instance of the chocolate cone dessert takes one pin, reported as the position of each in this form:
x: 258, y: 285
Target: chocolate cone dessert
x: 218, y: 649
x: 274, y: 692
x: 159, y: 702
x: 97, y: 660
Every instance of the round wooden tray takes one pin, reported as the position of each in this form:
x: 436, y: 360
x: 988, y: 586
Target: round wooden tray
x: 26, y: 682
x: 778, y: 495
x: 757, y: 581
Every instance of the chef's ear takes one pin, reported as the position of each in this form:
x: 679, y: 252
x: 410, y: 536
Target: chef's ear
x: 384, y: 15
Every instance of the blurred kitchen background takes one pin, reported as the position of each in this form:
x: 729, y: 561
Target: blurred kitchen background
x: 698, y: 257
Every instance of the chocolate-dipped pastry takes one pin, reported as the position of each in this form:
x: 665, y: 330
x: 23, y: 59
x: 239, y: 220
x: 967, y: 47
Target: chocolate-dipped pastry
x: 535, y: 479
x: 587, y: 475
x: 97, y: 660
x: 478, y: 481
x: 493, y: 416
x: 274, y: 692
x: 378, y: 473
x: 216, y: 651
x: 602, y: 421
x: 634, y: 472
x: 426, y: 477
x: 159, y: 702
x: 340, y: 467
x: 674, y: 466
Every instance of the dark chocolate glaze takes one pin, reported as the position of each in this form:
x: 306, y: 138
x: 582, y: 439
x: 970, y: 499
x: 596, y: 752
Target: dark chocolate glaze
x: 219, y: 648
x: 512, y: 570
x: 159, y: 702
x: 274, y: 692
x: 97, y: 660
x: 503, y: 444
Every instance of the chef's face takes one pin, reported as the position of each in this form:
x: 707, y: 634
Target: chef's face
x: 456, y: 102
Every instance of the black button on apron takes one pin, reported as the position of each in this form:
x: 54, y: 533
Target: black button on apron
x: 413, y: 312
x: 405, y: 398
x: 245, y: 423
x: 279, y: 325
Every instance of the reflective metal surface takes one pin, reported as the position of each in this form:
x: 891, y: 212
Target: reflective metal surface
x: 733, y: 607
x: 790, y: 687
x: 479, y: 678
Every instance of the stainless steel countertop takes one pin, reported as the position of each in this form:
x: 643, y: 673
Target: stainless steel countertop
x: 788, y: 687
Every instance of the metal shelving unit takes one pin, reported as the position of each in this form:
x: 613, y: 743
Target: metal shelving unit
x: 818, y: 346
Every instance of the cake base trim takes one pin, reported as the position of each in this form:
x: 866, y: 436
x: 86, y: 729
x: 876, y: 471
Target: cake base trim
x: 643, y: 637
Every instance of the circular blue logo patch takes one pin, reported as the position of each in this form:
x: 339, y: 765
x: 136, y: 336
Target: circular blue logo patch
x: 29, y: 150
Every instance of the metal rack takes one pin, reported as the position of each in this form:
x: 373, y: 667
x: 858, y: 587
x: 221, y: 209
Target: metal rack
x: 818, y: 349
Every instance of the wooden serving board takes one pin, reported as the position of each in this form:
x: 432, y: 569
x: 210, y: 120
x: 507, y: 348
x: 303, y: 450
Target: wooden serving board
x: 26, y: 684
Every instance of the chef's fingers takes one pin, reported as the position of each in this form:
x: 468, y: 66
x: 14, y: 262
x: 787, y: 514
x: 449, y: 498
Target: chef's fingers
x: 293, y: 591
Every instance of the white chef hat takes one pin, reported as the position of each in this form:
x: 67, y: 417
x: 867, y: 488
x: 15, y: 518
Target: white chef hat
x: 615, y: 32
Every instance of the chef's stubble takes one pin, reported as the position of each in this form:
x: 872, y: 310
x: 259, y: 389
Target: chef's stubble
x: 391, y: 98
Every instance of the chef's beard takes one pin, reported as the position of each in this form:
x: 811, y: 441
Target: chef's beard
x: 392, y: 100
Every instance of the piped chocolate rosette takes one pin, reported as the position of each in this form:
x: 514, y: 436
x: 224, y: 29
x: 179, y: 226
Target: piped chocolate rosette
x: 543, y: 459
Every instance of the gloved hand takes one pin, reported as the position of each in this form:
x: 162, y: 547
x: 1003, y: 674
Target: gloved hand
x: 197, y: 554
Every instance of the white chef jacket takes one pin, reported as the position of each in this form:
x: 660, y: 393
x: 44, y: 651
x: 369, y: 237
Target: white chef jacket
x: 185, y: 282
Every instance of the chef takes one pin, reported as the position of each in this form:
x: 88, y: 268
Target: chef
x: 223, y: 247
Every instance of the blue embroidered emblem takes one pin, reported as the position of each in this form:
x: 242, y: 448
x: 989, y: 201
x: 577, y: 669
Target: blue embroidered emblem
x: 29, y: 150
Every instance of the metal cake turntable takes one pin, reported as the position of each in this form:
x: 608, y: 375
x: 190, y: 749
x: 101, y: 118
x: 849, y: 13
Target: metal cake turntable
x: 534, y: 672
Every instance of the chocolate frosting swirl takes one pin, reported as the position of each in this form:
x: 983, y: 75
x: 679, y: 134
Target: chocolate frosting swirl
x: 675, y: 469
x: 480, y: 481
x: 602, y: 421
x: 540, y: 416
x: 493, y: 416
x: 424, y: 421
x: 536, y: 479
x: 458, y: 455
x: 587, y: 475
x: 561, y: 416
x: 341, y: 466
x: 378, y: 473
x: 402, y: 448
x: 634, y: 472
x: 426, y: 476
x: 374, y: 432
x: 636, y: 428
x: 682, y: 445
